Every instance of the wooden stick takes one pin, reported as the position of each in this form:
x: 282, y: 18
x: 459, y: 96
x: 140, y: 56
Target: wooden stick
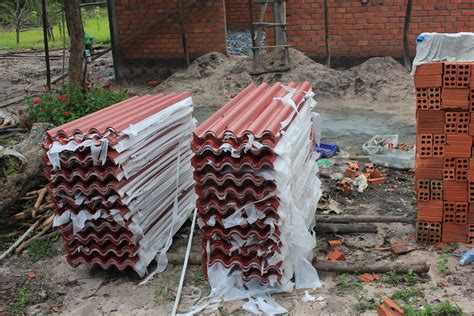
x: 330, y: 266
x: 363, y: 219
x: 31, y: 193
x: 378, y: 267
x: 26, y: 214
x: 28, y: 242
x: 21, y: 239
x: 39, y: 200
x: 345, y: 228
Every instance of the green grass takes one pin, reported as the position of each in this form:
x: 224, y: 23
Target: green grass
x: 96, y: 27
x: 20, y: 301
x: 42, y: 249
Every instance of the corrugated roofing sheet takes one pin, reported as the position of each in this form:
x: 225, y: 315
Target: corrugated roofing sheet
x: 116, y: 210
x: 233, y: 166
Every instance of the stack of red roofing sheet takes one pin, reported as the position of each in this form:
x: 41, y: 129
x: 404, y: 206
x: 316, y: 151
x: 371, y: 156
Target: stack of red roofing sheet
x: 445, y: 161
x: 122, y: 180
x: 256, y: 182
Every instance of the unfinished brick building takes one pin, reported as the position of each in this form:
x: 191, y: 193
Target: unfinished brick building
x: 147, y: 34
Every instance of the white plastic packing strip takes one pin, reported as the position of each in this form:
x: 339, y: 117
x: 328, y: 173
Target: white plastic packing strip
x: 98, y: 150
x: 299, y: 191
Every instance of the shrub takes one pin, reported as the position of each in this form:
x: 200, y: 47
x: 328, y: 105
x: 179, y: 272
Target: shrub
x: 71, y: 103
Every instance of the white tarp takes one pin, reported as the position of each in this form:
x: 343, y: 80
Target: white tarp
x: 433, y: 47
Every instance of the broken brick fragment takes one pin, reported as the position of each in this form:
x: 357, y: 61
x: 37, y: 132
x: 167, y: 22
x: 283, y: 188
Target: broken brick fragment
x: 367, y: 277
x: 336, y: 255
x: 377, y: 180
x: 346, y: 187
x: 389, y: 308
x: 399, y: 248
x: 335, y: 243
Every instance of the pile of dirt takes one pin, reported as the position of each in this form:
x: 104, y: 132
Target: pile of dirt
x: 215, y: 78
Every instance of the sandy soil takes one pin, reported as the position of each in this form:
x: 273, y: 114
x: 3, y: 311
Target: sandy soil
x: 373, y: 98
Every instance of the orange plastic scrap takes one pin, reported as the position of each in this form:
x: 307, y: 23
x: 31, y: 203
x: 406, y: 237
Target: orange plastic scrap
x: 399, y: 248
x: 389, y: 308
x: 336, y: 255
x: 335, y: 243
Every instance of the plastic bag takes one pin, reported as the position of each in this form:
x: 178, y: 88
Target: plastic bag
x: 382, y: 151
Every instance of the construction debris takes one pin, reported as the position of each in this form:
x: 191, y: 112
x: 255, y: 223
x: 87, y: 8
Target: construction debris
x: 336, y: 255
x: 389, y: 308
x: 122, y: 181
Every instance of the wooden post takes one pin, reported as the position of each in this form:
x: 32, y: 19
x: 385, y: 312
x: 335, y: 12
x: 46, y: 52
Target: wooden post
x: 326, y: 34
x: 46, y: 45
x: 183, y: 32
x: 278, y: 18
x: 252, y: 30
x: 76, y: 36
x: 406, y: 30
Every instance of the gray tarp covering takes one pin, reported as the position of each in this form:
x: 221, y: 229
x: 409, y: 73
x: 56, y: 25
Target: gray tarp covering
x: 432, y: 47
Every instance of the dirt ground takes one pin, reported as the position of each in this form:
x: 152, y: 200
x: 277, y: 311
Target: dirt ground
x: 375, y: 97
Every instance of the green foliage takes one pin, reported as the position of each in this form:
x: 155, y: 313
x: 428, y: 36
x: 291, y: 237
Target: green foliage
x: 364, y: 304
x: 163, y: 294
x: 42, y: 249
x: 442, y: 264
x: 391, y: 278
x: 409, y: 295
x: 445, y: 308
x: 347, y: 283
x: 20, y: 301
x: 71, y: 104
x: 410, y: 278
x: 33, y: 38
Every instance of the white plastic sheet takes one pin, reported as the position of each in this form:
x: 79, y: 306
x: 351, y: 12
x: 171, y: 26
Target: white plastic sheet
x: 433, y: 47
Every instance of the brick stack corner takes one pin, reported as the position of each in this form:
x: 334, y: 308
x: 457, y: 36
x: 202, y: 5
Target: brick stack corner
x: 444, y: 176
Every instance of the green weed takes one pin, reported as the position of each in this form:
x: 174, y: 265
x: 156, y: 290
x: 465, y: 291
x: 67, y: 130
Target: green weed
x: 442, y: 264
x: 163, y: 294
x: 408, y: 296
x: 42, y: 249
x: 20, y: 301
x: 364, y: 304
x: 346, y: 283
x: 391, y: 278
x: 410, y: 278
x: 444, y: 308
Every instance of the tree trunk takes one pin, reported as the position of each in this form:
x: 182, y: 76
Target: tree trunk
x: 406, y: 30
x: 17, y: 16
x: 326, y: 34
x: 76, y: 35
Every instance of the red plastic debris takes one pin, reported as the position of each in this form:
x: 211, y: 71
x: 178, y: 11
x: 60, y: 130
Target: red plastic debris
x: 336, y: 255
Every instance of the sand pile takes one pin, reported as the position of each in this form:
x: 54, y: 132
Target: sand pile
x: 379, y: 83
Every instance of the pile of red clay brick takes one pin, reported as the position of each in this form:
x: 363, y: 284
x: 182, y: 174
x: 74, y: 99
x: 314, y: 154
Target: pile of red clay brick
x: 444, y: 154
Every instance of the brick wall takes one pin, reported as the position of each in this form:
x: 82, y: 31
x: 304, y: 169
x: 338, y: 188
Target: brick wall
x: 364, y: 30
x: 205, y: 27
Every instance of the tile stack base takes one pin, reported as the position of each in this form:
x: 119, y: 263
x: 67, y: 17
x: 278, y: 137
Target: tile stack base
x: 444, y: 177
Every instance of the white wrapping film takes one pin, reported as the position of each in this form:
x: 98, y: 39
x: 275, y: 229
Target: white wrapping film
x: 299, y: 190
x: 433, y: 47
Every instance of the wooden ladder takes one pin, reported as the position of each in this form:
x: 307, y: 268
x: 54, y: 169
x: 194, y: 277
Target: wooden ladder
x: 279, y: 23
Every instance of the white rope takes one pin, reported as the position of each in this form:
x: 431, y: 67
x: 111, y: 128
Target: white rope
x: 185, y: 264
